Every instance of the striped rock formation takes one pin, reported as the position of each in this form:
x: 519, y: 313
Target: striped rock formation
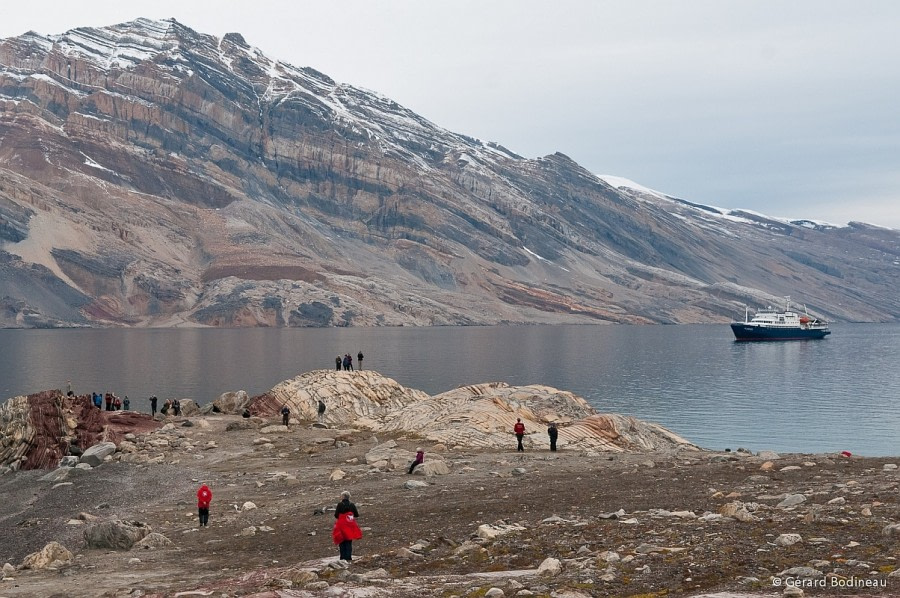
x: 361, y: 399
x: 476, y: 416
x: 39, y: 429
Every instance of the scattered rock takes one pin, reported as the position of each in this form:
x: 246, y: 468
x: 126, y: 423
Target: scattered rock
x: 153, y: 541
x: 248, y: 506
x: 415, y: 484
x: 788, y: 539
x: 792, y: 500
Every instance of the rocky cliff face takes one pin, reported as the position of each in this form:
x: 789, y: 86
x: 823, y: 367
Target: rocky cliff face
x: 153, y: 175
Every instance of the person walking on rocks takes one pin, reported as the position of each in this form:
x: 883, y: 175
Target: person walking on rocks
x: 109, y: 401
x: 346, y: 529
x: 553, y: 433
x: 321, y: 411
x: 204, y: 497
x: 420, y: 458
x: 126, y: 404
x: 337, y: 363
x: 286, y: 416
x: 519, y: 431
x: 176, y: 406
x: 153, y: 400
x: 359, y: 358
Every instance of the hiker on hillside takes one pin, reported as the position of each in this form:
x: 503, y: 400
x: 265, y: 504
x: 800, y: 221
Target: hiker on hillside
x: 519, y: 431
x: 126, y: 404
x: 553, y: 433
x: 420, y: 458
x: 321, y: 412
x: 117, y: 404
x: 204, y: 497
x: 176, y: 406
x: 345, y: 527
x: 359, y: 358
x: 98, y: 400
x: 286, y: 416
x: 337, y: 363
x: 109, y: 401
x: 153, y: 400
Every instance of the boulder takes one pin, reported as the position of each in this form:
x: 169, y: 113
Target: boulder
x: 52, y: 555
x: 550, y: 567
x: 415, y: 485
x: 115, y: 535
x: 95, y: 455
x: 189, y: 408
x: 792, y: 500
x: 432, y: 468
x: 232, y: 402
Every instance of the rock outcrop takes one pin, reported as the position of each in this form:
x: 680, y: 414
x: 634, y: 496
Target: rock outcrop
x: 360, y: 399
x: 38, y: 430
x: 475, y: 416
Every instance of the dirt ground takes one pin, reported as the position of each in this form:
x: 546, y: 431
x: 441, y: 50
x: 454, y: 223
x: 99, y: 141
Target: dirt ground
x: 423, y: 538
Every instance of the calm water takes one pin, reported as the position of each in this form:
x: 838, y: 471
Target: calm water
x: 841, y: 393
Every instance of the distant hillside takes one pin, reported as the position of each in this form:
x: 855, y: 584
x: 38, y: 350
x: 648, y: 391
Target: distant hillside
x: 151, y: 175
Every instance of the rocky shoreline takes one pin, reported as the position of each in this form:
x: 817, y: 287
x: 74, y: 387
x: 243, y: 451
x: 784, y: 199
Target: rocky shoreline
x: 625, y: 508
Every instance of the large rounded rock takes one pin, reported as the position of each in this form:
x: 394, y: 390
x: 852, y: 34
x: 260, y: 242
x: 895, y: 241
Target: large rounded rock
x: 117, y: 535
x: 232, y: 402
x: 53, y: 554
x: 95, y: 455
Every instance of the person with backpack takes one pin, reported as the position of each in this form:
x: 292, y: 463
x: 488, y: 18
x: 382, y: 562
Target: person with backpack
x: 519, y: 431
x: 204, y: 497
x: 286, y: 416
x: 346, y: 529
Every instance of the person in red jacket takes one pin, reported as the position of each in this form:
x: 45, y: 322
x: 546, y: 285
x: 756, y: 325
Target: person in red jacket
x: 345, y: 527
x: 519, y: 431
x: 204, y: 497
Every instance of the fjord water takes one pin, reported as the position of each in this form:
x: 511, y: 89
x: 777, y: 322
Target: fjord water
x: 840, y: 393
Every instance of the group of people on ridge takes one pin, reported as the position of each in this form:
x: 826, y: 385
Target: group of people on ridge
x: 113, y: 403
x: 346, y: 362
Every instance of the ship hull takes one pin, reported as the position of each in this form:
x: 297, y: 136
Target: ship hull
x: 750, y: 332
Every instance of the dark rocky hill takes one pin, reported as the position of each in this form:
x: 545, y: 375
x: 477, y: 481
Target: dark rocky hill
x: 153, y: 175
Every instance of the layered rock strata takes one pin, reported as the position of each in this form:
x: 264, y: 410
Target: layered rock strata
x: 477, y: 416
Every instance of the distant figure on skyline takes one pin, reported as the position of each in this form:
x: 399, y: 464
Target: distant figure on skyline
x: 153, y: 400
x: 337, y: 363
x: 359, y: 358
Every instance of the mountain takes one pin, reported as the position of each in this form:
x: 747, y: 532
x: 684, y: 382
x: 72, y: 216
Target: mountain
x: 151, y: 175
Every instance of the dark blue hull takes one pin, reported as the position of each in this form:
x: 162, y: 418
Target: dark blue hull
x: 751, y: 332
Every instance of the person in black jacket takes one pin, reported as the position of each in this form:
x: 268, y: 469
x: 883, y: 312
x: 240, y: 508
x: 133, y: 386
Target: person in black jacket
x: 553, y: 433
x: 346, y: 547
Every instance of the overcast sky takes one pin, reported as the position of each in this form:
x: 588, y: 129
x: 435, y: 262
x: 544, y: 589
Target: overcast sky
x: 791, y: 109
